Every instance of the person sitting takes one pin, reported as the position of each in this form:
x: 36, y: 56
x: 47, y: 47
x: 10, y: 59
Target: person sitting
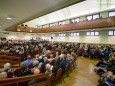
x: 56, y: 66
x: 68, y: 57
x: 3, y: 75
x: 73, y: 55
x: 35, y: 64
x: 51, y: 58
x: 35, y: 72
x: 37, y: 57
x: 106, y: 79
x: 48, y: 68
x: 24, y: 70
x: 7, y: 68
x: 28, y: 61
x: 44, y: 64
x: 63, y: 63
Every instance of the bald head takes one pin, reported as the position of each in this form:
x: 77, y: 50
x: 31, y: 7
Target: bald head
x: 36, y: 71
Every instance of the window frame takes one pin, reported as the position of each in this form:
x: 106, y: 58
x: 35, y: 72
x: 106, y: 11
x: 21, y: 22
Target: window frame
x: 61, y: 34
x: 109, y: 12
x: 112, y: 34
x: 94, y: 33
x: 72, y: 34
x: 61, y: 22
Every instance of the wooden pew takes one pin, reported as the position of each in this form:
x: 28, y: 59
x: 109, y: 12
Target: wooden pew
x: 6, y: 53
x: 8, y: 81
x: 9, y: 59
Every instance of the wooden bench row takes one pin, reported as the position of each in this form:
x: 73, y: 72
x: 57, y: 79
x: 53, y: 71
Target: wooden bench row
x: 9, y: 59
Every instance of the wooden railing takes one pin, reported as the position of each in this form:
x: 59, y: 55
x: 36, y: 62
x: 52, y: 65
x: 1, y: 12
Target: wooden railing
x: 82, y: 25
x: 15, y: 80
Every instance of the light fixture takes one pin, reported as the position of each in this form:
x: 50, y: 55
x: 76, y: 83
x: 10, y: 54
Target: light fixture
x: 9, y: 18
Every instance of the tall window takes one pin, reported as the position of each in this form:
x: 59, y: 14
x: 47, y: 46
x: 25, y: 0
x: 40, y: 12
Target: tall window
x: 75, y: 20
x: 61, y: 23
x: 112, y: 13
x: 52, y: 24
x: 61, y: 34
x: 74, y: 34
x: 111, y: 33
x: 92, y: 33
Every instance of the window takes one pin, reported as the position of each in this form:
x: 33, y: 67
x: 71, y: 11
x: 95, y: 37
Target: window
x: 52, y: 24
x: 89, y: 17
x: 40, y: 26
x: 61, y: 23
x: 93, y: 16
x: 111, y: 33
x: 44, y: 35
x: 44, y: 26
x: 88, y: 33
x: 52, y: 35
x: 92, y: 33
x: 36, y: 26
x: 112, y: 13
x: 61, y: 34
x: 75, y: 20
x: 74, y: 34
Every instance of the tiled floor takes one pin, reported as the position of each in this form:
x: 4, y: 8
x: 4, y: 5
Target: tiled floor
x: 82, y: 75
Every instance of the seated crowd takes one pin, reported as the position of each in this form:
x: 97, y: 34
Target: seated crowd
x: 49, y: 61
x: 58, y: 55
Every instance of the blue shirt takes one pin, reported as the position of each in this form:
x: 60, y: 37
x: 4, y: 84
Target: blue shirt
x: 27, y: 62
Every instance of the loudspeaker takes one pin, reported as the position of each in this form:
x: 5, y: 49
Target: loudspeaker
x: 51, y: 37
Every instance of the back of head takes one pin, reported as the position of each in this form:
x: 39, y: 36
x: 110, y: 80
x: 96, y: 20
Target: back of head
x: 35, y: 63
x: 7, y: 66
x: 48, y: 66
x: 29, y: 57
x: 23, y: 66
x: 3, y: 75
x: 45, y: 59
x: 37, y: 56
x: 36, y: 71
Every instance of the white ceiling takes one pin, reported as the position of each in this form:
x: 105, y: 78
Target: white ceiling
x: 25, y: 10
x: 82, y: 8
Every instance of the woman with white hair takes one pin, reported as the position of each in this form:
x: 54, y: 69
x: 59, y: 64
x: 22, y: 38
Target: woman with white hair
x: 3, y: 75
x: 7, y: 68
x: 48, y: 68
x: 36, y: 65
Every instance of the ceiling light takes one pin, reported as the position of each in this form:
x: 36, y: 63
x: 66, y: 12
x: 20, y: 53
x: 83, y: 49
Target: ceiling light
x: 9, y: 18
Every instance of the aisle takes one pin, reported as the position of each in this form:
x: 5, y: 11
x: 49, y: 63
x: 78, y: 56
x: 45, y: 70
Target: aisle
x: 82, y: 75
